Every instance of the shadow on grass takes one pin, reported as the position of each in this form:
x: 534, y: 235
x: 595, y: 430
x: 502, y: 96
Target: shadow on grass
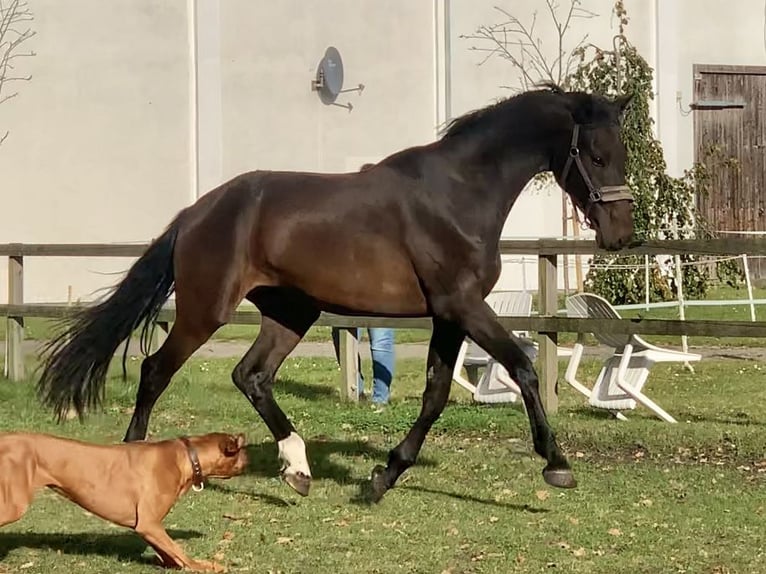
x: 591, y: 413
x: 266, y: 498
x: 742, y: 419
x: 683, y: 416
x: 305, y: 391
x: 476, y: 499
x: 321, y: 452
x: 125, y: 546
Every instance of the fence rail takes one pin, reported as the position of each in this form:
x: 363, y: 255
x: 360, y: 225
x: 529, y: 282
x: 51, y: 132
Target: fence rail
x: 547, y: 324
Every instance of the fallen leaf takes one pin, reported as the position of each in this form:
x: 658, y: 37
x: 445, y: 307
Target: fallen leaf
x: 228, y: 535
x: 284, y: 540
x: 493, y: 519
x: 580, y: 552
x: 26, y: 565
x: 542, y: 494
x: 614, y: 532
x: 579, y: 454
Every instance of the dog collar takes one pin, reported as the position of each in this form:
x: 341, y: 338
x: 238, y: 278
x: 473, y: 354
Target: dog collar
x: 198, y: 480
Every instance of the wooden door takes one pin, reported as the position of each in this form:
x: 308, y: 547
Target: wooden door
x: 729, y: 114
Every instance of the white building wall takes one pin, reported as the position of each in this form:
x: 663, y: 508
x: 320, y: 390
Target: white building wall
x: 99, y: 138
x: 136, y: 107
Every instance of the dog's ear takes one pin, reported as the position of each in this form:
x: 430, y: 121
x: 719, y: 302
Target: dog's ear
x: 233, y: 444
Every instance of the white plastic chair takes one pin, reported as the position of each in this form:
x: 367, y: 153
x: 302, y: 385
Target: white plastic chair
x: 495, y: 384
x: 623, y: 375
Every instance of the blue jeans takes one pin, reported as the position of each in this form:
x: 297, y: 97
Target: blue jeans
x: 382, y: 351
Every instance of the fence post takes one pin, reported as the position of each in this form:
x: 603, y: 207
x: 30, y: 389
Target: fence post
x: 14, y: 353
x: 161, y: 330
x: 549, y: 367
x: 348, y: 351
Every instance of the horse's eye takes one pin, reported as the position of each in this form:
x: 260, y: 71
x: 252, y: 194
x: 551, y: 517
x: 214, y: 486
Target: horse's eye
x: 598, y: 161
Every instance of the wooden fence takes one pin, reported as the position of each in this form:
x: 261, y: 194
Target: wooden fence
x: 547, y: 323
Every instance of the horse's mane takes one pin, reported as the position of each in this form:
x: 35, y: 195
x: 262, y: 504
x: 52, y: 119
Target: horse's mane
x: 585, y: 109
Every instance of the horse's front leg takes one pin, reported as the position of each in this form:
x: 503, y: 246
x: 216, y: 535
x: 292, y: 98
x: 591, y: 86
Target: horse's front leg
x: 481, y: 324
x: 442, y: 353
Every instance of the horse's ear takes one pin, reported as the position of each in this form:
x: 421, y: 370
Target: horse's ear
x: 623, y: 103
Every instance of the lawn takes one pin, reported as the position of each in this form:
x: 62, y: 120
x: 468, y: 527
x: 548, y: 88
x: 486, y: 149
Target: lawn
x: 652, y: 497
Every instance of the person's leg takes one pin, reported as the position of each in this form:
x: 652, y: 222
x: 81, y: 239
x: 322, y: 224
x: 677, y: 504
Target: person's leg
x: 382, y: 351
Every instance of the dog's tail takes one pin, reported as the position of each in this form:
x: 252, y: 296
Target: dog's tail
x: 75, y: 368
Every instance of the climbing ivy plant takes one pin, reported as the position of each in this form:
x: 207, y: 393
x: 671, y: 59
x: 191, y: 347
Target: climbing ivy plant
x: 664, y: 205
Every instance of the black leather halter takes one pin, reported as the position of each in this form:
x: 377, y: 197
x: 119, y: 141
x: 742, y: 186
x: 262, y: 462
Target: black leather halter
x: 603, y: 194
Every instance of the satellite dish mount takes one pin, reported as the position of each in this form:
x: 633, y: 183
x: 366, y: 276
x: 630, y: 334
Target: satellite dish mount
x: 329, y: 79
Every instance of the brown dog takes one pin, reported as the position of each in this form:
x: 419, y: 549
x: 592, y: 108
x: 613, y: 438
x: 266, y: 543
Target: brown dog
x: 132, y: 484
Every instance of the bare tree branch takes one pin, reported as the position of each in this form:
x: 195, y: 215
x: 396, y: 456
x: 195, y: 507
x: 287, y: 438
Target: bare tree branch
x: 518, y: 43
x: 14, y: 14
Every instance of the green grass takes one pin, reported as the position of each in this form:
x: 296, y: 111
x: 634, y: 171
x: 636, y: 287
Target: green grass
x: 652, y: 498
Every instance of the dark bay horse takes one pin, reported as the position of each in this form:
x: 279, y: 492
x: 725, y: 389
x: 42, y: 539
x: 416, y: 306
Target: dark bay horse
x: 416, y: 235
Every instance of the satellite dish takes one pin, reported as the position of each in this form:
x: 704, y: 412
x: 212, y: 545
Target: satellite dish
x: 329, y: 79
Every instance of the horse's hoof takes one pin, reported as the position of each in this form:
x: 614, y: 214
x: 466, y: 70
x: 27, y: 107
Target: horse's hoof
x: 378, y: 482
x: 560, y: 477
x: 299, y: 482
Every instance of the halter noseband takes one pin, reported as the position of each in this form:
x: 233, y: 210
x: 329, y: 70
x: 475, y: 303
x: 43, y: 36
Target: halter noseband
x: 603, y: 194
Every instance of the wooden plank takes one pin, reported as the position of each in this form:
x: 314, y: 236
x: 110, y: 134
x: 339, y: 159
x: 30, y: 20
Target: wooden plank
x: 548, y: 340
x: 729, y: 69
x: 721, y: 246
x: 161, y: 330
x: 675, y: 327
x: 72, y: 249
x: 14, y: 356
x: 349, y: 350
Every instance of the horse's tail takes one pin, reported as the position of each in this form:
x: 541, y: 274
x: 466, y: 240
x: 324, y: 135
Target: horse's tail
x: 74, y: 370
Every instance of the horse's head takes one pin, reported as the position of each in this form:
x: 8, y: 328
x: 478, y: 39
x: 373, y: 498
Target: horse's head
x: 590, y: 167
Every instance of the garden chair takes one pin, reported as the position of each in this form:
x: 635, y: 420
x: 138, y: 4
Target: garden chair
x: 623, y: 375
x: 495, y: 384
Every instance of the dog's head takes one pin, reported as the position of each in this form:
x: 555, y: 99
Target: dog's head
x: 221, y: 455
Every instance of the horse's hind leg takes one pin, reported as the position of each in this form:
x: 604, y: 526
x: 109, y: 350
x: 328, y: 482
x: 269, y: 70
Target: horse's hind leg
x: 159, y: 368
x: 286, y: 316
x: 442, y: 354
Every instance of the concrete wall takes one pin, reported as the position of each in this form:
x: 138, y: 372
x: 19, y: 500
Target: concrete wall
x: 99, y: 138
x: 269, y: 55
x: 477, y: 81
x: 700, y: 32
x: 138, y: 107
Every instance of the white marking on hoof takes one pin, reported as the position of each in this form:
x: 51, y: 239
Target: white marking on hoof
x: 292, y: 453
